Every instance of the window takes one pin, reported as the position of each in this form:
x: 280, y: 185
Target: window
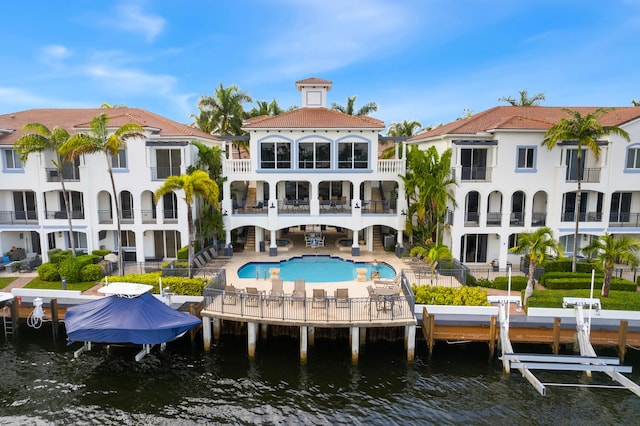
x: 526, y: 158
x: 275, y: 155
x: 474, y: 163
x: 633, y: 159
x: 11, y: 160
x: 314, y: 155
x: 168, y: 162
x: 353, y: 155
x: 119, y: 161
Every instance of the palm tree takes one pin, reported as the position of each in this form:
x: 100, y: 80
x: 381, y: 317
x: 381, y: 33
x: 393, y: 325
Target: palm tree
x: 585, y: 130
x: 100, y: 140
x: 266, y: 108
x: 536, y: 245
x: 197, y: 183
x: 349, y: 108
x: 635, y: 103
x: 405, y: 129
x: 222, y: 114
x: 42, y: 139
x: 432, y: 253
x: 524, y: 100
x: 609, y: 250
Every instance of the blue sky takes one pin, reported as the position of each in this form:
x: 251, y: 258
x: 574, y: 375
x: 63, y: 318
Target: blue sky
x: 423, y: 60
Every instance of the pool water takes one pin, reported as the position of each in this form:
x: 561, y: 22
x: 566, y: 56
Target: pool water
x: 315, y: 269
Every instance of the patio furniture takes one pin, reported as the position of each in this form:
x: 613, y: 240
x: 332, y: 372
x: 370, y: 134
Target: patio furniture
x: 299, y: 291
x: 276, y: 294
x: 253, y: 296
x: 342, y: 297
x: 230, y: 295
x: 319, y: 298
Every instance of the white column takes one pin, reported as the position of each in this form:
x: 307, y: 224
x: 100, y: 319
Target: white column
x: 303, y: 344
x: 252, y: 330
x: 206, y: 333
x: 411, y: 342
x: 354, y: 334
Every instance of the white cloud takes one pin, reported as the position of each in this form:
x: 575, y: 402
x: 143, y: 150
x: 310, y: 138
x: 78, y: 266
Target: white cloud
x: 16, y: 98
x: 131, y: 18
x: 54, y: 55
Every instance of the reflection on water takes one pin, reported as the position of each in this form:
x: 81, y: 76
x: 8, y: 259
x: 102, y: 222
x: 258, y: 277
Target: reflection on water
x: 42, y: 383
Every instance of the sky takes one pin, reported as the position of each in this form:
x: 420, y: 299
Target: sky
x: 425, y: 60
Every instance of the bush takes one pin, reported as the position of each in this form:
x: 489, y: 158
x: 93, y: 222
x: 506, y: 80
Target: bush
x: 518, y: 283
x: 463, y: 296
x: 471, y: 280
x: 484, y: 282
x: 178, y: 285
x: 555, y: 275
x: 57, y: 257
x: 585, y: 283
x: 564, y: 265
x: 70, y: 268
x: 88, y: 259
x: 100, y: 253
x: 618, y: 300
x: 91, y: 273
x: 183, y: 253
x: 48, y: 272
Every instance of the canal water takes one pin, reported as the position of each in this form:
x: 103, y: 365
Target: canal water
x: 42, y: 383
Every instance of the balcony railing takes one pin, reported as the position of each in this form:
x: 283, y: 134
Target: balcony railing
x: 471, y: 219
x: 237, y: 166
x: 105, y: 216
x: 19, y: 217
x: 494, y: 219
x: 170, y: 216
x: 625, y: 220
x: 293, y: 206
x: 334, y: 206
x: 126, y: 216
x: 516, y: 219
x: 376, y: 207
x: 61, y: 214
x: 70, y: 174
x: 591, y: 175
x: 161, y: 173
x: 584, y: 217
x: 148, y: 216
x: 475, y: 174
x: 393, y: 167
x: 539, y: 219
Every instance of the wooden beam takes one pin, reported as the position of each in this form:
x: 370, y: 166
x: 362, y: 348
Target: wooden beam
x: 492, y: 337
x: 53, y: 304
x: 555, y: 347
x: 622, y: 339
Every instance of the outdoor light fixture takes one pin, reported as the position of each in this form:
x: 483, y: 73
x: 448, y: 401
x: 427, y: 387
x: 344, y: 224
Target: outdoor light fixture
x: 403, y: 212
x: 272, y: 206
x: 357, y: 206
x: 225, y: 213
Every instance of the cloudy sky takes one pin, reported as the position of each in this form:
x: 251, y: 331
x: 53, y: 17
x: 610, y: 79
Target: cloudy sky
x: 426, y: 60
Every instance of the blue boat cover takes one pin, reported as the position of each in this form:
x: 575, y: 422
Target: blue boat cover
x: 139, y: 320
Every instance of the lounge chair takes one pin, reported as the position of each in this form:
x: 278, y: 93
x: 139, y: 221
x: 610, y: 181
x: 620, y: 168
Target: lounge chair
x: 342, y: 297
x: 299, y: 292
x: 277, y: 293
x: 319, y: 298
x: 253, y: 296
x: 230, y: 295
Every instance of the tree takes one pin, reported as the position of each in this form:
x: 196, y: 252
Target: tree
x: 101, y: 140
x: 585, y: 131
x: 524, y: 100
x: 427, y: 185
x: 265, y: 108
x: 609, y: 250
x: 635, y: 103
x: 536, y: 245
x: 404, y: 129
x: 195, y: 184
x: 222, y: 114
x: 349, y: 108
x: 432, y: 253
x: 42, y: 139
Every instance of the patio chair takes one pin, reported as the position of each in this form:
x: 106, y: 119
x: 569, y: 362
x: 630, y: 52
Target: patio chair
x: 342, y: 297
x: 319, y: 298
x: 230, y: 295
x: 276, y: 294
x: 253, y: 296
x: 299, y: 291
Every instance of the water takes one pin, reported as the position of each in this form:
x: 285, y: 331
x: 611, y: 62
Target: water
x: 316, y: 269
x: 43, y: 384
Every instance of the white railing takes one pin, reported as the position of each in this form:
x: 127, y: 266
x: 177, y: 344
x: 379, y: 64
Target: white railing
x: 394, y: 167
x: 237, y: 166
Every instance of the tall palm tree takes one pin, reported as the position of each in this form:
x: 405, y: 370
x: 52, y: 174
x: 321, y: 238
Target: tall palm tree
x: 101, y: 140
x: 432, y: 253
x: 609, y: 250
x: 222, y: 114
x: 524, y: 100
x: 265, y: 108
x: 406, y: 128
x: 197, y: 183
x: 42, y: 139
x: 536, y: 245
x: 350, y: 109
x: 585, y: 130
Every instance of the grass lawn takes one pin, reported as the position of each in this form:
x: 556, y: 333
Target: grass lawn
x: 5, y: 281
x: 57, y: 285
x: 617, y: 300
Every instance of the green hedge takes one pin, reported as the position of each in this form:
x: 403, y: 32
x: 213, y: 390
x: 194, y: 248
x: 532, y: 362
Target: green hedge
x: 564, y: 265
x: 100, y: 253
x: 178, y: 285
x: 91, y: 273
x: 618, y: 300
x: 585, y: 283
x: 48, y: 272
x: 463, y: 296
x: 518, y: 283
x: 555, y: 275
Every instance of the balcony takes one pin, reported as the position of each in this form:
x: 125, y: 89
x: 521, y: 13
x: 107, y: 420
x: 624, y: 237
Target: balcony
x: 494, y: 219
x: 539, y: 219
x: 392, y: 167
x: 161, y: 173
x: 170, y: 216
x: 61, y: 214
x: 624, y: 220
x: 591, y: 175
x: 584, y: 217
x: 516, y: 219
x: 126, y: 216
x: 376, y: 207
x: 237, y: 166
x: 471, y: 219
x: 293, y: 206
x: 148, y: 216
x: 19, y: 217
x: 475, y: 174
x: 70, y: 174
x: 105, y: 216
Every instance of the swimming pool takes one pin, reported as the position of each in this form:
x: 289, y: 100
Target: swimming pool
x: 314, y: 269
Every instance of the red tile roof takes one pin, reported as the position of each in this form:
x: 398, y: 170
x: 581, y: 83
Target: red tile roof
x: 314, y: 80
x: 313, y: 118
x: 77, y: 120
x: 523, y: 118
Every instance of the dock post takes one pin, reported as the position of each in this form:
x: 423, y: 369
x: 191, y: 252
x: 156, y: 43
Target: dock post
x: 252, y: 332
x: 622, y: 339
x: 264, y: 331
x: 311, y: 333
x: 354, y: 334
x: 556, y: 336
x: 15, y: 317
x: 303, y: 344
x: 411, y: 342
x: 216, y: 322
x: 54, y: 318
x: 206, y: 333
x: 492, y: 337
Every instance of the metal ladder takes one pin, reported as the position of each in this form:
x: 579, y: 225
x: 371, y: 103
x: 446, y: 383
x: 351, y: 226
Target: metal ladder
x: 7, y: 322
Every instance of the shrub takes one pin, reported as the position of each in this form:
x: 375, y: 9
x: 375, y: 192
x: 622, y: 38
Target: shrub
x: 518, y: 283
x: 58, y: 257
x: 48, y: 272
x: 471, y: 280
x: 183, y: 253
x: 554, y: 275
x: 70, y: 268
x: 463, y: 296
x: 585, y: 283
x: 88, y: 259
x: 484, y: 282
x: 91, y: 273
x: 564, y: 265
x: 100, y: 253
x: 178, y: 285
x: 618, y: 300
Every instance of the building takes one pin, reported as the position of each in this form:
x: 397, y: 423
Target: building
x: 315, y: 167
x: 508, y: 183
x: 32, y: 213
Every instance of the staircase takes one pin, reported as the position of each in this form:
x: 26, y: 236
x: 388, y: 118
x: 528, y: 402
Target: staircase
x: 251, y: 197
x: 377, y: 239
x: 250, y: 244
